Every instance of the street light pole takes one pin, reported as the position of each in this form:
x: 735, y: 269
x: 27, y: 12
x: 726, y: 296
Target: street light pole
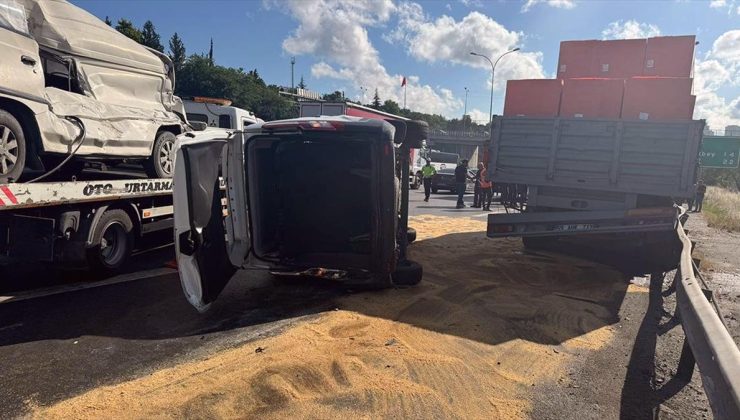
x: 292, y: 80
x: 465, y: 111
x: 493, y: 72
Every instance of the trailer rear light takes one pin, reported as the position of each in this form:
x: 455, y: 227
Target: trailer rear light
x: 502, y: 228
x: 313, y: 125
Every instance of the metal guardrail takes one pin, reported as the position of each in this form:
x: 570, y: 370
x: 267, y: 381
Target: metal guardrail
x: 710, y: 345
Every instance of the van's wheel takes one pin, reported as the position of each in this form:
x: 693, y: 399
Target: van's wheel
x: 417, y: 182
x: 112, y: 241
x: 408, y: 273
x: 410, y: 235
x: 12, y: 148
x: 161, y: 163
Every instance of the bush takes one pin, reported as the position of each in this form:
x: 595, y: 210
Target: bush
x: 722, y: 208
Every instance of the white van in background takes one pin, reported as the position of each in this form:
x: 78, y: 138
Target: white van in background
x: 218, y: 113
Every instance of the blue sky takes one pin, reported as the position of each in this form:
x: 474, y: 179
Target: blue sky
x: 343, y: 45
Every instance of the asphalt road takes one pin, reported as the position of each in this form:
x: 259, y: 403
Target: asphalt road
x: 63, y: 333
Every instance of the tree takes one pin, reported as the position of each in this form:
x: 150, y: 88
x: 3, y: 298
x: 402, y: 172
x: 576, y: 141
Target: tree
x: 150, y: 37
x: 210, y: 53
x: 376, y: 100
x: 108, y: 22
x: 336, y: 96
x: 127, y: 28
x: 301, y: 84
x: 391, y: 107
x: 177, y: 52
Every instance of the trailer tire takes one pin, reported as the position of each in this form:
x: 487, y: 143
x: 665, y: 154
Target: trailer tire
x: 161, y: 163
x: 408, y: 273
x: 112, y: 241
x: 12, y: 146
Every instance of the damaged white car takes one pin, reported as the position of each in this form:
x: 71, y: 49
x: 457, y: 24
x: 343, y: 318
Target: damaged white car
x: 72, y: 89
x: 309, y: 197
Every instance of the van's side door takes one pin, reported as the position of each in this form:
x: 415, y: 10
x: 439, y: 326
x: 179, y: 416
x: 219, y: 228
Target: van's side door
x: 20, y: 64
x: 200, y: 235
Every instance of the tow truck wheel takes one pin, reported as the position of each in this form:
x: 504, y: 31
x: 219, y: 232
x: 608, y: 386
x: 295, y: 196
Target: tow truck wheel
x: 12, y: 148
x: 112, y: 241
x: 161, y: 163
x: 408, y: 273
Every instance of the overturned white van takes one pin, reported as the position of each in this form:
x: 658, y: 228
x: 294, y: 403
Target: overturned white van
x: 72, y: 85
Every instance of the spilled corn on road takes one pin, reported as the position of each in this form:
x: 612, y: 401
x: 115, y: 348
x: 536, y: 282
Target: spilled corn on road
x: 493, y: 331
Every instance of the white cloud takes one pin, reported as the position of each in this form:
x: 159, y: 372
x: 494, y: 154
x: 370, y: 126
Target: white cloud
x: 629, y: 30
x: 335, y: 32
x: 449, y: 41
x: 719, y: 69
x: 478, y: 116
x: 715, y: 4
x: 560, y: 4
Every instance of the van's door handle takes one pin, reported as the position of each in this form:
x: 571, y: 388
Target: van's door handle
x: 28, y: 60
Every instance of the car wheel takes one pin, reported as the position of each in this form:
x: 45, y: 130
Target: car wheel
x: 112, y: 241
x: 408, y: 273
x: 435, y: 190
x: 161, y: 163
x: 12, y: 148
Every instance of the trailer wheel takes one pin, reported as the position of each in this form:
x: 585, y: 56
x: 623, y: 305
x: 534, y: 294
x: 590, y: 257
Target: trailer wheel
x: 408, y: 273
x: 161, y: 163
x: 112, y: 241
x: 12, y: 148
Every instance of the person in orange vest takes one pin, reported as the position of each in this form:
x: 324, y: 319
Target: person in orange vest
x: 486, y: 188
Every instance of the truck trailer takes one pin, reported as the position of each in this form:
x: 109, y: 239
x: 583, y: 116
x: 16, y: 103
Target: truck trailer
x: 567, y: 177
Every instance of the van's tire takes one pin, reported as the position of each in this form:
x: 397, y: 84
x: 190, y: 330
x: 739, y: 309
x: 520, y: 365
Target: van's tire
x: 408, y: 273
x: 12, y: 148
x: 161, y: 162
x: 112, y: 241
x: 410, y: 235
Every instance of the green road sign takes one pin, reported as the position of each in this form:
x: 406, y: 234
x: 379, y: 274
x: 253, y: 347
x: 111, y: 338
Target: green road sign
x: 719, y: 152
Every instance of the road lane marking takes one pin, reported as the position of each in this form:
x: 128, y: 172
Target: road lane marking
x: 56, y: 290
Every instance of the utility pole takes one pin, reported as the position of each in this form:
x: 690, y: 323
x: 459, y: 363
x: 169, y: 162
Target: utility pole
x: 465, y: 112
x: 493, y: 73
x: 292, y: 68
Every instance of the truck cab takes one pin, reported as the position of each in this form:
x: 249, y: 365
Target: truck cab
x: 313, y: 197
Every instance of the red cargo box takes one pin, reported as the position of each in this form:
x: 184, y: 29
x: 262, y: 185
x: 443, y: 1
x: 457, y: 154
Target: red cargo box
x: 532, y: 98
x: 658, y: 99
x: 614, y: 59
x: 592, y: 98
x: 670, y: 56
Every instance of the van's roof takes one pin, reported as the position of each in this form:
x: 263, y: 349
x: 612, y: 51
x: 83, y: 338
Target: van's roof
x: 62, y: 26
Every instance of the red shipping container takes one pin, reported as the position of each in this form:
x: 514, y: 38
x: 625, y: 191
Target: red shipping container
x: 614, y: 59
x: 592, y: 98
x: 532, y: 98
x: 670, y: 56
x: 658, y: 99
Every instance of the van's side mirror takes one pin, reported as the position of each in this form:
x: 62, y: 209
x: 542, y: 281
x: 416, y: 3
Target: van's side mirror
x: 400, y: 127
x: 416, y: 133
x: 198, y: 125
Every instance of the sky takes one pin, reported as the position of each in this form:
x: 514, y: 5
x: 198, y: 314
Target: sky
x: 360, y: 46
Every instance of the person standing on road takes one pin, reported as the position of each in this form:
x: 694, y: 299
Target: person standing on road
x: 701, y: 189
x: 427, y: 172
x: 486, y: 188
x: 461, y: 177
x: 477, y: 202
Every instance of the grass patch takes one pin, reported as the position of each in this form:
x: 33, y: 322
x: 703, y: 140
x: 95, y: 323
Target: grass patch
x: 722, y: 208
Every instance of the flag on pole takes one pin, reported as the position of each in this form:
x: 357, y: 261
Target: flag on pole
x: 403, y: 81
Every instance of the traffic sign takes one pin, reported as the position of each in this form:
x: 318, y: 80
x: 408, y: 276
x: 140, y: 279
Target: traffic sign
x: 719, y: 152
